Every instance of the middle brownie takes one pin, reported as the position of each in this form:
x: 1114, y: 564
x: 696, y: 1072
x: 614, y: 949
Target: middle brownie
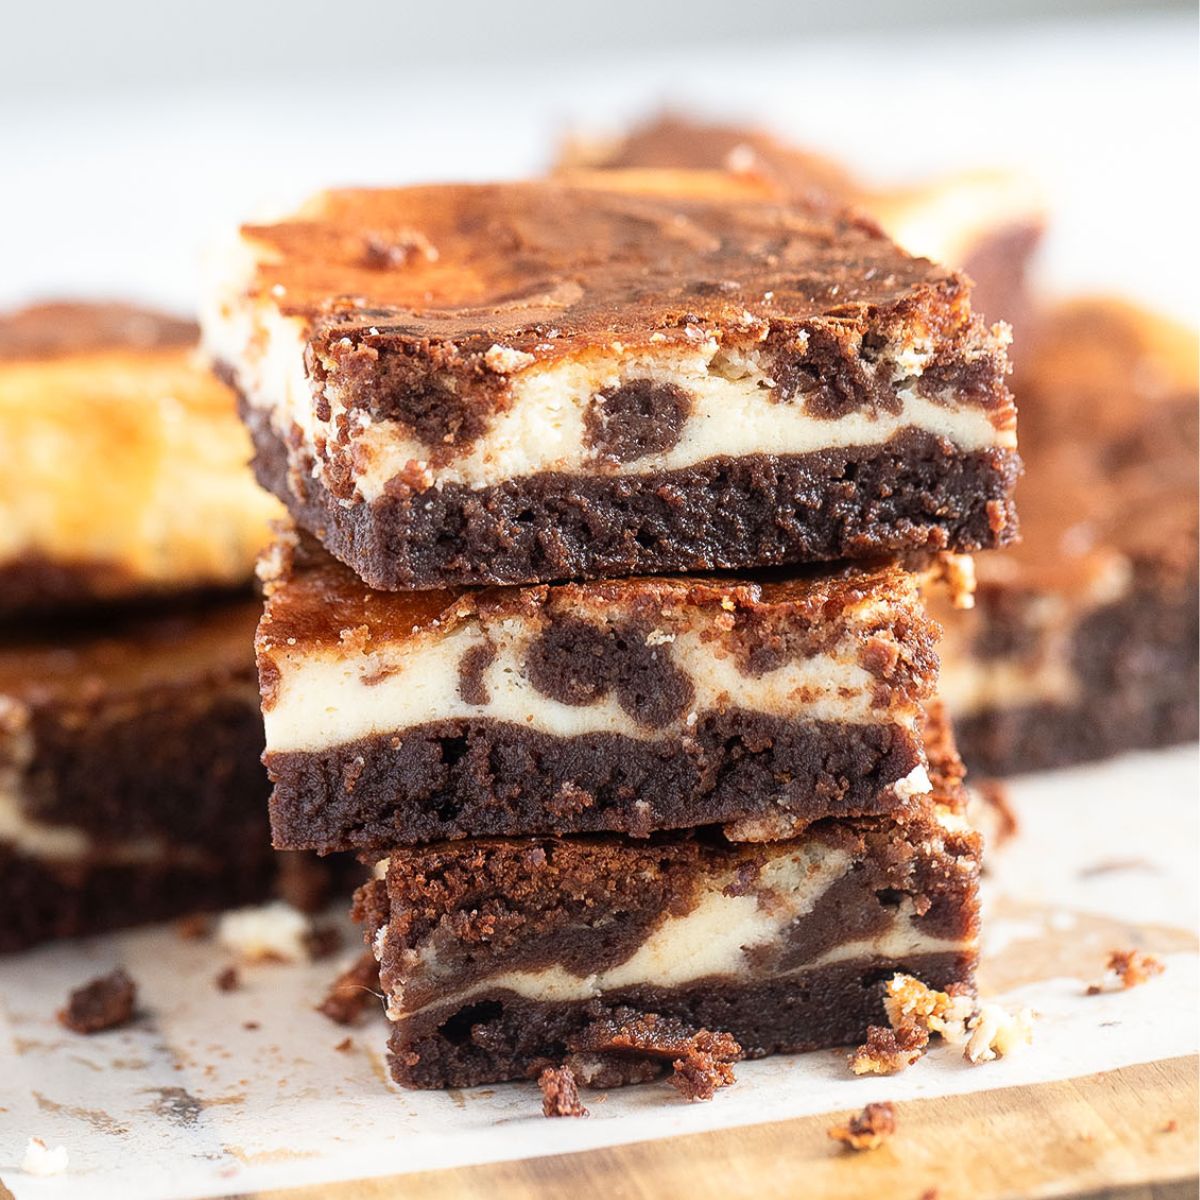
x: 624, y: 706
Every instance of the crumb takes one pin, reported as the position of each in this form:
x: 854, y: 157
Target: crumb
x: 867, y: 1130
x: 888, y: 1051
x: 1171, y: 1126
x: 1133, y: 967
x: 194, y: 928
x: 322, y: 941
x: 273, y: 932
x: 41, y: 1160
x: 701, y: 1060
x: 929, y: 1194
x: 107, y: 1002
x: 916, y: 1012
x: 352, y: 992
x: 560, y: 1096
x: 344, y: 1045
x: 995, y: 1033
x: 1093, y: 989
x: 251, y: 1025
x: 910, y: 1003
x: 228, y: 980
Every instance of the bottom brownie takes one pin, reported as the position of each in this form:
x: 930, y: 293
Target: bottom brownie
x: 501, y: 957
x: 507, y: 1036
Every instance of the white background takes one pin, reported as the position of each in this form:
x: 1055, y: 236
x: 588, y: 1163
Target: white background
x: 130, y: 135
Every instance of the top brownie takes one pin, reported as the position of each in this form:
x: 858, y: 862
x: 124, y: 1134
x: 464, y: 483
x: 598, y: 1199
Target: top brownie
x: 126, y: 469
x: 609, y: 375
x: 988, y: 222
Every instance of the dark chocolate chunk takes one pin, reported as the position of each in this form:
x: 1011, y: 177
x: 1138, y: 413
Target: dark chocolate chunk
x: 638, y: 418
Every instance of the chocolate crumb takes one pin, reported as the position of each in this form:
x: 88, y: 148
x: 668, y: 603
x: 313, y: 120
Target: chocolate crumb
x: 194, y: 928
x: 1131, y: 968
x: 251, y: 1025
x: 888, y: 1051
x: 344, y: 1045
x: 1171, y: 1126
x: 867, y: 1130
x: 107, y: 1002
x: 560, y: 1096
x: 228, y: 980
x: 352, y: 992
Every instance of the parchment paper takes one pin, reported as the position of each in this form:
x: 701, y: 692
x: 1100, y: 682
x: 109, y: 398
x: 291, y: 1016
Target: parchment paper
x: 211, y: 1093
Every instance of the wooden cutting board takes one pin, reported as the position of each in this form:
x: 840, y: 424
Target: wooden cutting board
x: 1129, y: 1133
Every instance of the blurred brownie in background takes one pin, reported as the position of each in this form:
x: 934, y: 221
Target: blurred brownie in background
x: 131, y: 787
x: 125, y: 472
x: 988, y: 223
x: 1083, y: 639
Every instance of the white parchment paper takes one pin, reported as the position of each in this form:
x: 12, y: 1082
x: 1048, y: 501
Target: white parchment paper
x: 211, y: 1093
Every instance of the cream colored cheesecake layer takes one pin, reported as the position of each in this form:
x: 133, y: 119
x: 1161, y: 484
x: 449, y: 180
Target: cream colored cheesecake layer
x: 330, y: 697
x: 138, y: 465
x: 542, y: 428
x: 718, y: 937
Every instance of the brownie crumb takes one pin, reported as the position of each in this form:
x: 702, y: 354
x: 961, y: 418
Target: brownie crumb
x: 194, y: 928
x: 345, y: 1045
x: 888, y: 1051
x: 560, y: 1096
x: 915, y: 1012
x: 867, y: 1130
x: 1130, y: 968
x: 1172, y: 1126
x: 228, y: 980
x: 251, y: 1025
x: 352, y: 992
x: 702, y: 1060
x: 107, y: 1002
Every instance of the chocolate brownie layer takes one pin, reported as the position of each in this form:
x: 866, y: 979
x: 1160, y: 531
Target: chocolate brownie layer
x: 914, y: 492
x: 660, y: 344
x: 511, y: 1037
x: 987, y: 222
x: 125, y: 468
x: 622, y: 705
x: 481, y: 778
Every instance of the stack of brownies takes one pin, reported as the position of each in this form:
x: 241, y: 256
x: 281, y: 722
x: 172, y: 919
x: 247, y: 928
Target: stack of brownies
x: 130, y: 786
x: 617, y: 811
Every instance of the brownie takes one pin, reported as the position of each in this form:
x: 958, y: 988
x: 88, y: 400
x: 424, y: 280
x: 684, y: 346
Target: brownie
x: 500, y: 958
x: 989, y: 223
x: 607, y: 376
x: 130, y: 783
x: 1083, y: 639
x: 126, y: 476
x: 628, y: 706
